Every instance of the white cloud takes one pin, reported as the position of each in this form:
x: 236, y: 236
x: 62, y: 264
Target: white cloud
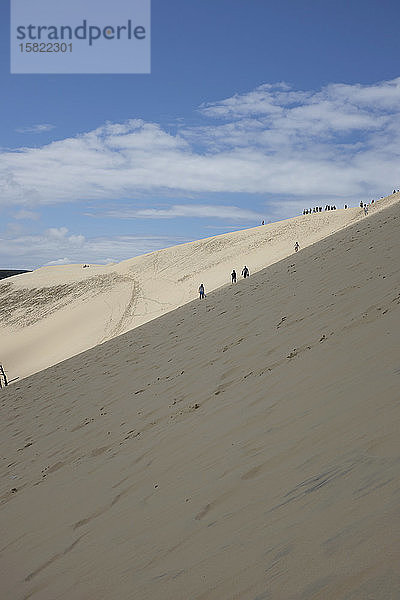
x: 214, y: 211
x: 60, y: 261
x: 76, y: 240
x: 342, y: 140
x: 57, y: 232
x: 278, y: 99
x: 41, y: 128
x: 267, y: 99
x: 26, y: 215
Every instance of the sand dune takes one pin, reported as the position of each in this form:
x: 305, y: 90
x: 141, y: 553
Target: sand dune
x: 54, y: 313
x: 242, y: 447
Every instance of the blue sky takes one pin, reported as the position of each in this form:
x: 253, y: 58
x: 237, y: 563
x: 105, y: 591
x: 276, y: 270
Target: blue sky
x: 253, y: 110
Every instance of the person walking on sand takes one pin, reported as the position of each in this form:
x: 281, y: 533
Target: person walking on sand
x: 245, y: 272
x: 365, y: 209
x: 201, y: 291
x: 296, y: 247
x: 233, y: 275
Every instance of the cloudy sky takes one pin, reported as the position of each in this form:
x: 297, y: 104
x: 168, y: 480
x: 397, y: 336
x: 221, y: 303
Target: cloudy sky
x: 253, y: 110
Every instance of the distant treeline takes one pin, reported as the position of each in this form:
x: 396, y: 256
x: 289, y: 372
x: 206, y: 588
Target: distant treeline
x: 9, y: 273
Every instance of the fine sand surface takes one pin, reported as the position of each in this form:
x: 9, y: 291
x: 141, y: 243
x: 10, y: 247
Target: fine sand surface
x: 244, y: 447
x: 54, y: 313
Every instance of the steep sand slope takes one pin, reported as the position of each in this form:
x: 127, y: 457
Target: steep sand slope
x: 56, y: 312
x: 243, y: 447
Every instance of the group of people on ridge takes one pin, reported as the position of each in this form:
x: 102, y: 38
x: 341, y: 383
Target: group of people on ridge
x: 306, y: 211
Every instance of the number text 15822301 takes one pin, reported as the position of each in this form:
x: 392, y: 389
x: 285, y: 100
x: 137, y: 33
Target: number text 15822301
x: 45, y: 47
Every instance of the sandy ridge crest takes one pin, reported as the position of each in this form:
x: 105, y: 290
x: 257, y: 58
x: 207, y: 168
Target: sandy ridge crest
x: 57, y: 312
